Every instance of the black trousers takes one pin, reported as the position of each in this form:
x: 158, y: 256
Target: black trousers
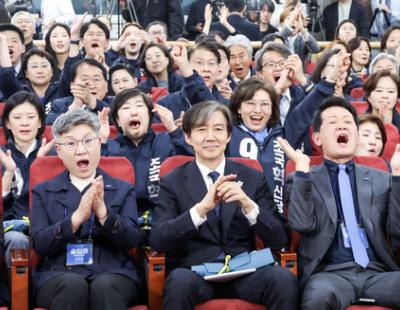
x: 70, y: 291
x: 336, y: 290
x: 274, y: 287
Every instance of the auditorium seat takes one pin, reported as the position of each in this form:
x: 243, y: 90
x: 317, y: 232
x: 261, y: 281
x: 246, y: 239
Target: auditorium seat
x: 357, y: 94
x: 360, y: 106
x: 393, y: 139
x: 158, y: 127
x: 158, y: 92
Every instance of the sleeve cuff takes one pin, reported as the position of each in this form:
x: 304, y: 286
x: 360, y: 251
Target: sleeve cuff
x: 252, y: 215
x: 302, y: 174
x: 196, y: 218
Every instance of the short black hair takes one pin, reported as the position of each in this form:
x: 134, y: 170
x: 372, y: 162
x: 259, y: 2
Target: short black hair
x: 163, y: 49
x: 123, y: 97
x: 200, y: 113
x: 98, y: 23
x: 90, y: 62
x: 20, y: 98
x: 11, y: 27
x: 121, y: 66
x: 332, y: 102
x: 269, y: 4
x: 279, y: 48
x: 235, y: 5
x: 270, y: 37
x: 40, y: 53
x: 116, y: 67
x: 205, y: 45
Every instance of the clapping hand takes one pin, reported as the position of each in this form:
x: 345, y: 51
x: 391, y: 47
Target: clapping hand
x: 301, y: 160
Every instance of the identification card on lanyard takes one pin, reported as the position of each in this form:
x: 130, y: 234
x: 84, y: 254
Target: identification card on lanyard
x: 346, y: 238
x: 80, y: 253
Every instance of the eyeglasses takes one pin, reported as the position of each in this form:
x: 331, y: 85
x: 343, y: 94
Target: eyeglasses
x: 72, y: 144
x: 202, y: 63
x: 271, y: 65
x: 155, y: 56
x: 252, y: 105
x: 41, y: 66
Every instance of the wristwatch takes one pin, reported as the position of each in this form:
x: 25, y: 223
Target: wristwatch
x: 74, y: 42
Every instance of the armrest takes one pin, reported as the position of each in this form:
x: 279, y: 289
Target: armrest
x: 288, y: 260
x: 19, y: 279
x: 155, y: 271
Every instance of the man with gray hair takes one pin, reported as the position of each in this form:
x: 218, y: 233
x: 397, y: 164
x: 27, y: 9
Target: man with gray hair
x: 241, y: 53
x: 26, y: 22
x: 384, y: 61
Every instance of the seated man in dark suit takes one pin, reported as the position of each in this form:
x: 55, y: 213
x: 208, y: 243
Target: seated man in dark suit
x: 83, y: 222
x: 344, y: 213
x: 236, y: 19
x: 200, y: 217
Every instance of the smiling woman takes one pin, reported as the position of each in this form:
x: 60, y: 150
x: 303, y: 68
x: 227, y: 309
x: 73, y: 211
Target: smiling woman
x: 38, y: 69
x: 23, y: 121
x: 382, y: 90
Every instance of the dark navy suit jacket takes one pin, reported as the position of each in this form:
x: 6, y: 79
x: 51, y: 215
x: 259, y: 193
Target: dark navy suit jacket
x: 242, y: 26
x: 53, y: 203
x: 173, y: 230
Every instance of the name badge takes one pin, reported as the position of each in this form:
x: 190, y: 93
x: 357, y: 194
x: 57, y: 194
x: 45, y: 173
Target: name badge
x: 80, y: 253
x: 345, y: 236
x: 346, y: 239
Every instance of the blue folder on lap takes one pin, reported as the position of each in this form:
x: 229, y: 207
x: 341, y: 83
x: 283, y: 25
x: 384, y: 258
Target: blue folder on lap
x: 245, y: 260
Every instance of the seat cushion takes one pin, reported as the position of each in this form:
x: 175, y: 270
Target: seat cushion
x: 228, y: 304
x: 360, y: 307
x: 130, y: 308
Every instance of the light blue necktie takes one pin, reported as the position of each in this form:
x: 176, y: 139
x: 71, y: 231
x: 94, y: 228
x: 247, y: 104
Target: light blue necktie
x: 214, y: 175
x: 346, y: 197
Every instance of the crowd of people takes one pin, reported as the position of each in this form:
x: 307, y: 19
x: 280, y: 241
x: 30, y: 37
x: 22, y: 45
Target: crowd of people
x: 146, y: 98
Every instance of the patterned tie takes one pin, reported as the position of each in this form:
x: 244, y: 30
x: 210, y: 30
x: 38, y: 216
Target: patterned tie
x: 214, y: 175
x: 346, y: 197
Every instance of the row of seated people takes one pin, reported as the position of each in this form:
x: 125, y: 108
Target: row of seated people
x: 254, y: 106
x: 191, y: 233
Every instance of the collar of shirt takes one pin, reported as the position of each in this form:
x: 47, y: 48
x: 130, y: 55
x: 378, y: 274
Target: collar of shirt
x: 81, y: 184
x: 17, y: 68
x: 29, y: 150
x: 204, y: 170
x: 333, y: 167
x: 343, y: 10
x: 237, y: 80
x: 258, y: 135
